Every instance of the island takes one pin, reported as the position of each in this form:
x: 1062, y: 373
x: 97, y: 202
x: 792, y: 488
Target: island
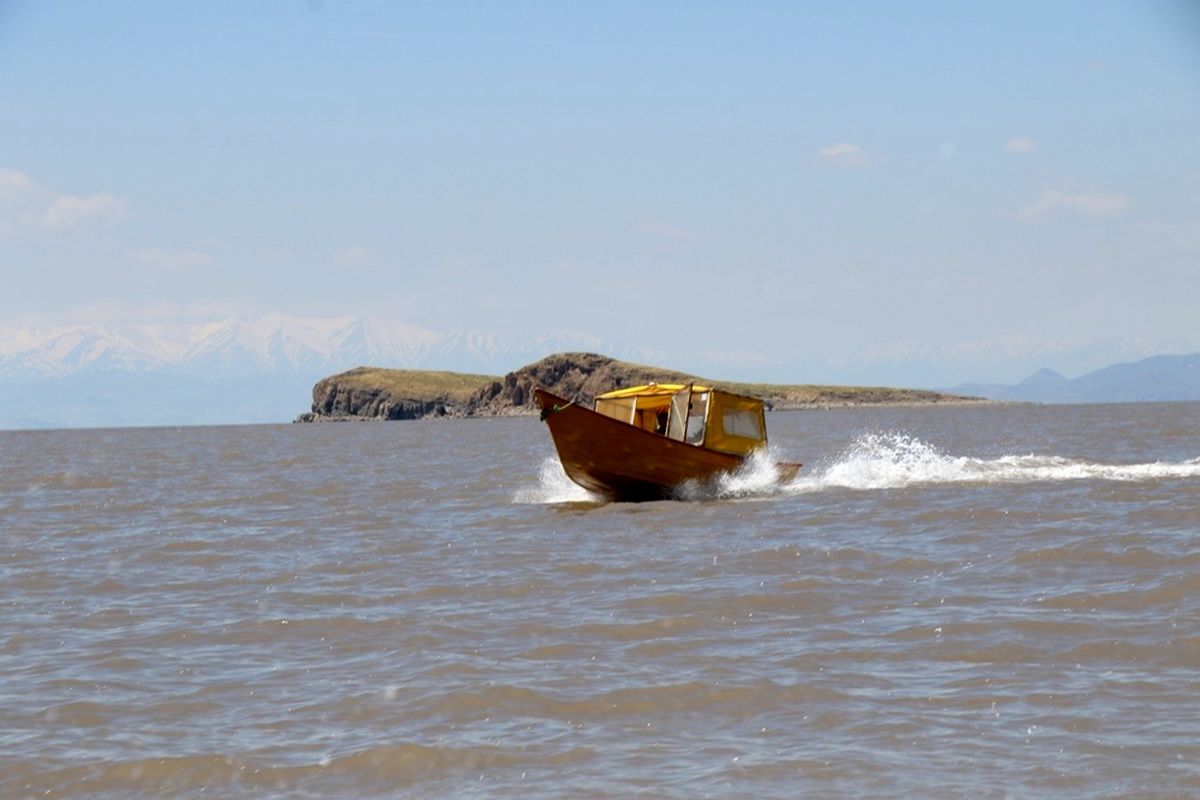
x: 375, y: 393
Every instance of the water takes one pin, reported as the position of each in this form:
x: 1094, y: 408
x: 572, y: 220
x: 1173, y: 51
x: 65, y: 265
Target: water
x: 948, y: 602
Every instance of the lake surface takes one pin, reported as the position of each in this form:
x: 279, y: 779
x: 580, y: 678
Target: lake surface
x: 949, y: 602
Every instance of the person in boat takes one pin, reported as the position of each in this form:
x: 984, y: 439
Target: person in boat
x: 661, y: 427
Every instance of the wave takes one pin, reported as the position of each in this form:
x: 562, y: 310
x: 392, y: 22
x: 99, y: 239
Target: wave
x: 894, y: 460
x: 387, y: 767
x: 554, y: 486
x: 757, y: 477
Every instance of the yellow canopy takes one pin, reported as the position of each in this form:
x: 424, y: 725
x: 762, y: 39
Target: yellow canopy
x: 649, y: 390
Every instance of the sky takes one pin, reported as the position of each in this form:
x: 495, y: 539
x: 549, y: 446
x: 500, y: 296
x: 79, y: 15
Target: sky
x: 923, y: 193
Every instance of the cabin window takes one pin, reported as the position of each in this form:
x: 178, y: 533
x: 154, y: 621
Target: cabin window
x: 697, y: 412
x: 621, y: 408
x: 650, y: 415
x: 735, y: 424
x: 676, y: 424
x: 741, y: 422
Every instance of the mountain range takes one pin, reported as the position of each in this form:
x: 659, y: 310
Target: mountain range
x: 269, y: 343
x: 1158, y: 378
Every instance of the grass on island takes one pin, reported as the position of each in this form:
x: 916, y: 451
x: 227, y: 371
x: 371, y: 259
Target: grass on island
x: 415, y: 384
x: 800, y: 395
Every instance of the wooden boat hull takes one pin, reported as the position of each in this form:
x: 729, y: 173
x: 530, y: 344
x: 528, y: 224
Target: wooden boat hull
x: 613, y: 458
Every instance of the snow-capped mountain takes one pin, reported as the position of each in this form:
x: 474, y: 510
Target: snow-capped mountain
x: 67, y: 350
x: 268, y: 344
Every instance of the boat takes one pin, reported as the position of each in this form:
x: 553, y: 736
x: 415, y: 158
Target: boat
x: 643, y: 442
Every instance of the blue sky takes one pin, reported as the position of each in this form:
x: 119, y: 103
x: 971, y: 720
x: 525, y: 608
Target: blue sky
x: 901, y: 192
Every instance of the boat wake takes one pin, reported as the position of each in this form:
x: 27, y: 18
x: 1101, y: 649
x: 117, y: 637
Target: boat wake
x: 554, y: 486
x: 875, y: 461
x: 892, y: 461
x: 757, y: 477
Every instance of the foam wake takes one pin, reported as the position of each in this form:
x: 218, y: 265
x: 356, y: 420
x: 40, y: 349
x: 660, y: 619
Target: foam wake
x: 758, y: 476
x: 892, y: 460
x: 554, y: 486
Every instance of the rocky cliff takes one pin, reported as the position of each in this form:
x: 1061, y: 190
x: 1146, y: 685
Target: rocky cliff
x: 334, y: 398
x: 368, y: 393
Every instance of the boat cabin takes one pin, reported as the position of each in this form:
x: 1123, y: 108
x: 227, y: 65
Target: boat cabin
x: 698, y: 415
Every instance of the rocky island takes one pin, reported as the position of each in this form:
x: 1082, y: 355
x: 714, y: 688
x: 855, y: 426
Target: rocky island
x: 371, y: 393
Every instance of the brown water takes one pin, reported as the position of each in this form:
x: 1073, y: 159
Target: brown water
x: 974, y: 602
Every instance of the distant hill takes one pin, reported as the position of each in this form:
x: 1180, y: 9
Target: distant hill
x: 375, y: 393
x: 1154, y: 379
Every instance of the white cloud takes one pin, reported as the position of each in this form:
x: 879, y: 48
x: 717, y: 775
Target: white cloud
x: 20, y: 202
x: 65, y: 210
x: 844, y: 154
x: 1020, y: 145
x: 663, y: 230
x: 840, y: 150
x: 357, y: 257
x: 25, y: 204
x: 172, y: 260
x: 12, y: 180
x: 1091, y: 203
